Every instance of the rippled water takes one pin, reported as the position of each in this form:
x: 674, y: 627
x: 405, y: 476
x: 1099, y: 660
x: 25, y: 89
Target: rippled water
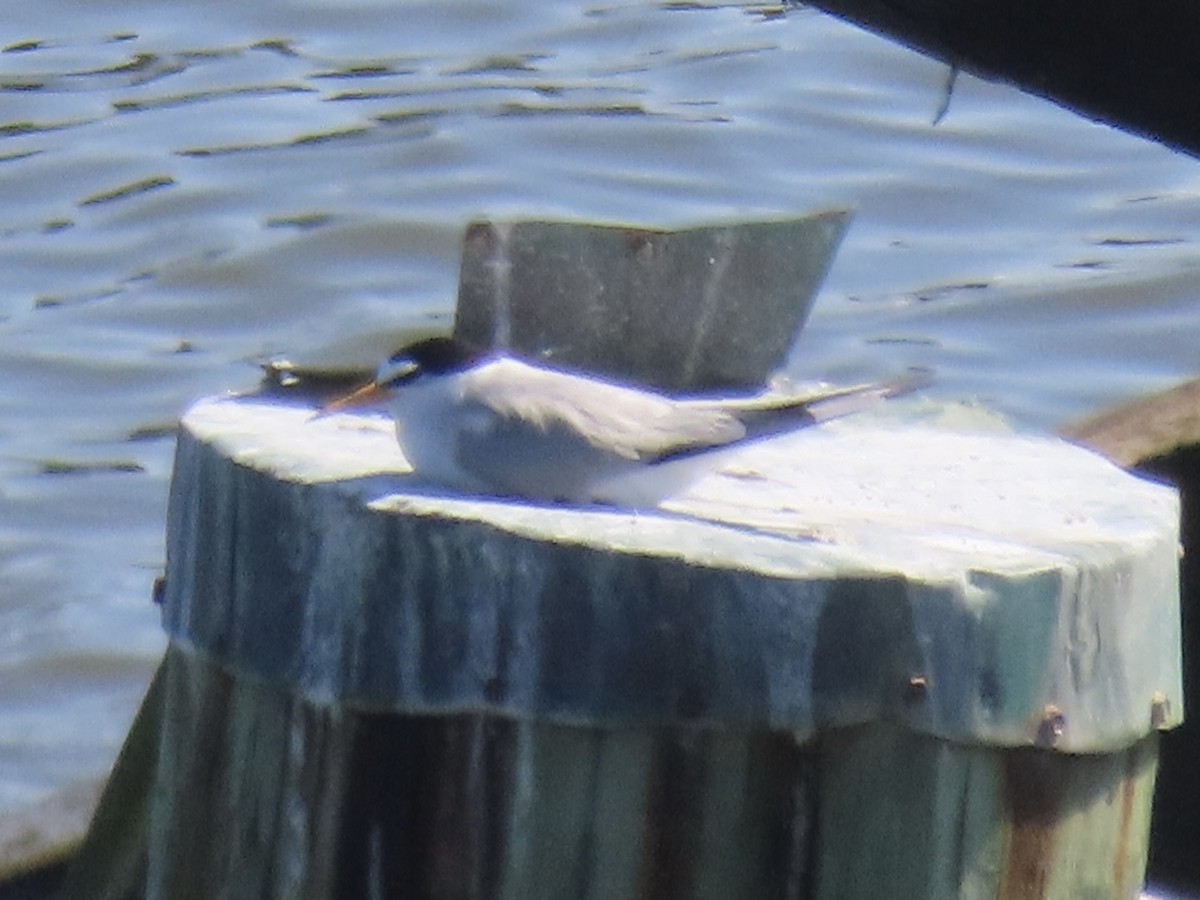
x: 185, y: 189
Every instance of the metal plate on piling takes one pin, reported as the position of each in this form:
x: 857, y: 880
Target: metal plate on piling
x: 708, y: 307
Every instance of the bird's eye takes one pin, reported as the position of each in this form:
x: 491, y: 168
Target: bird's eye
x: 396, y: 370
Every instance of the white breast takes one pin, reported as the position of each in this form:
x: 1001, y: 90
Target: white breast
x: 429, y: 418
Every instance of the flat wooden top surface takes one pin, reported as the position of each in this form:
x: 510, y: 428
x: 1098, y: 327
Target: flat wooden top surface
x: 876, y: 485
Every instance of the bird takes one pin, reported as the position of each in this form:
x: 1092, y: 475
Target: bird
x: 490, y: 423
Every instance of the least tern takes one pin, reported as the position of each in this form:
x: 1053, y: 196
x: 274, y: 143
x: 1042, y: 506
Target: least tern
x: 493, y: 424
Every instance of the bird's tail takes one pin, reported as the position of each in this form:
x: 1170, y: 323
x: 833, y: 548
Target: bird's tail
x: 861, y: 397
x: 786, y: 408
x: 781, y: 411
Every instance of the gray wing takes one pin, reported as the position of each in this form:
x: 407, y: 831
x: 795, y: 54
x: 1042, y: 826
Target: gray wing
x: 618, y: 421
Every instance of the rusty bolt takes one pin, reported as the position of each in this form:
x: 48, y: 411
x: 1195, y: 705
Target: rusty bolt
x: 1052, y: 725
x: 1160, y: 710
x: 916, y: 689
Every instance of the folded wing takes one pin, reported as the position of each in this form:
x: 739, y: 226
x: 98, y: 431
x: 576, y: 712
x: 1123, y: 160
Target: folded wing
x: 622, y: 421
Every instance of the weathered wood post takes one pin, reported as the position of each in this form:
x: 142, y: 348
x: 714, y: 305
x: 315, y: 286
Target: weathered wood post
x: 878, y: 659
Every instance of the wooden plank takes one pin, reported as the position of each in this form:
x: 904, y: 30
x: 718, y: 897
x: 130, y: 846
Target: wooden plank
x: 1144, y: 428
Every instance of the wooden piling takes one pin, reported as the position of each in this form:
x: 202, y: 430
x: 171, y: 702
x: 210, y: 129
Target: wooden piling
x: 798, y: 690
x: 874, y: 659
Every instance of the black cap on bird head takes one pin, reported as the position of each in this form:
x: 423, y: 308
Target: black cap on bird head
x: 435, y: 356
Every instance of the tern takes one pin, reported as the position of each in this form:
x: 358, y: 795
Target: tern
x: 493, y: 424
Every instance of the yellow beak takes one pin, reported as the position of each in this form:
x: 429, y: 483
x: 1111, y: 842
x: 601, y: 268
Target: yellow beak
x: 367, y: 395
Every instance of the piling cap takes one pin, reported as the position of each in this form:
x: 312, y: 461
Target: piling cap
x: 988, y: 588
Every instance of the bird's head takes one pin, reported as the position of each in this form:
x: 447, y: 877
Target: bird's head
x: 429, y: 356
